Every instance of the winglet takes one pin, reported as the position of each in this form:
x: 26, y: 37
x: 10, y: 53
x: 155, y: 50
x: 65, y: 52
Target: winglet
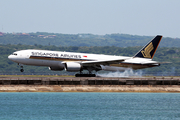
x: 149, y: 50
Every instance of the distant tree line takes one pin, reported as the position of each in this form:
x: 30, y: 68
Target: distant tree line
x: 118, y: 40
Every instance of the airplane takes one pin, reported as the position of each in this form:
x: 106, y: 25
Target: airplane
x: 77, y: 62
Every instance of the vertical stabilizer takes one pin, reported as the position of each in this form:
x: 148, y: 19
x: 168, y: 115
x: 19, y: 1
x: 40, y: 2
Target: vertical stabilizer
x: 149, y: 50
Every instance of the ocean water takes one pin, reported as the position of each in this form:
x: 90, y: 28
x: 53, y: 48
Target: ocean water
x: 89, y: 106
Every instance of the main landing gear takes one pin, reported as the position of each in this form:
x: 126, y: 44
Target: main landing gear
x: 85, y: 75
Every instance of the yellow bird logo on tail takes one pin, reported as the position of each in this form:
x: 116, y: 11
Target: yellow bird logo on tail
x: 146, y: 52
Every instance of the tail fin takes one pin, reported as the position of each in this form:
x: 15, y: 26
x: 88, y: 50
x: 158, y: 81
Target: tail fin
x: 149, y: 50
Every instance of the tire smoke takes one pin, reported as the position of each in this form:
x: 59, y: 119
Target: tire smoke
x: 126, y: 73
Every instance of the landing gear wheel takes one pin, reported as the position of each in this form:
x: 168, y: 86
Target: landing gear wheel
x: 22, y: 70
x: 85, y: 75
x: 21, y: 66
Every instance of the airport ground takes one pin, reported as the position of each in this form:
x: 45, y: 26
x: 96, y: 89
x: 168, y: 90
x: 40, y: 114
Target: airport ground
x: 91, y: 84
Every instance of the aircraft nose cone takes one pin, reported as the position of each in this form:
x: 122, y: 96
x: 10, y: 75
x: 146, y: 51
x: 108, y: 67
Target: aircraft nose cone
x: 10, y: 57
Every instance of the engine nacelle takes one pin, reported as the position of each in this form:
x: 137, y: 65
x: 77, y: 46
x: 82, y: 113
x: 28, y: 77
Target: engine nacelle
x: 56, y: 68
x: 72, y: 67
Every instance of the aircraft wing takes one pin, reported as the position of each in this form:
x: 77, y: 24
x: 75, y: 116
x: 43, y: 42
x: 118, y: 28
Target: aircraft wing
x: 101, y: 62
x: 154, y: 62
x: 164, y: 62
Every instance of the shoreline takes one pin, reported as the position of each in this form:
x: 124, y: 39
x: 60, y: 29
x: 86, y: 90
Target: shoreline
x: 91, y: 88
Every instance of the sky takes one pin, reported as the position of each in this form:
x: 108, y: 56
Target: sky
x: 100, y: 17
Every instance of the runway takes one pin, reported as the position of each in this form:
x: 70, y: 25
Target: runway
x: 90, y: 84
x: 89, y: 81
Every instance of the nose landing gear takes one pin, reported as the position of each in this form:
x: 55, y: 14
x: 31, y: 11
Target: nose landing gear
x: 21, y: 68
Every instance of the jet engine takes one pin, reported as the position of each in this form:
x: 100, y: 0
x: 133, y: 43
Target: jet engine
x: 72, y: 67
x: 56, y: 68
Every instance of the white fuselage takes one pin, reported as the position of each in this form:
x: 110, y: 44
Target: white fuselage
x: 55, y: 59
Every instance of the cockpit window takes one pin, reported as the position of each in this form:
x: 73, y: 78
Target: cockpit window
x: 14, y: 53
